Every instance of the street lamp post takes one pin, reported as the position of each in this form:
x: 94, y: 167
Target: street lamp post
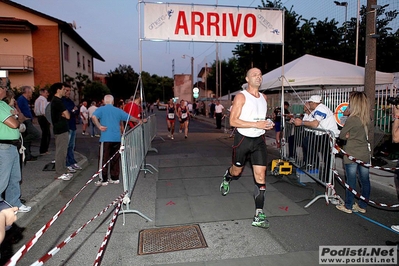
x: 345, y: 4
x: 192, y: 72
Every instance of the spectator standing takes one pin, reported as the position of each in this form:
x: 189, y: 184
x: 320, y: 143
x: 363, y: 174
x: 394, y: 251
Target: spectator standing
x: 212, y: 109
x: 323, y: 118
x: 133, y: 108
x: 395, y: 139
x: 31, y: 133
x: 107, y: 118
x: 84, y: 115
x: 277, y: 116
x: 10, y: 169
x: 306, y: 116
x: 93, y: 128
x: 195, y: 108
x: 73, y: 110
x: 218, y: 114
x: 60, y: 116
x: 40, y: 112
x: 248, y: 115
x: 355, y: 132
x: 15, y: 183
x: 190, y: 108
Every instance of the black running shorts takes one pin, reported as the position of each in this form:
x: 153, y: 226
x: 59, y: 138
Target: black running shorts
x: 254, y: 148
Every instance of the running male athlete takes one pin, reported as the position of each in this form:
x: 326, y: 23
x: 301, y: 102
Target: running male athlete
x: 248, y: 115
x: 170, y: 116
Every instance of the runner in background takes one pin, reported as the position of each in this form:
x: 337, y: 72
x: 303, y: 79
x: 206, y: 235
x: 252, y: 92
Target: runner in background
x: 184, y: 117
x: 170, y: 116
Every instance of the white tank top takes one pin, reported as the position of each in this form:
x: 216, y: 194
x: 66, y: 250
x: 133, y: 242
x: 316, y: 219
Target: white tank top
x: 254, y: 109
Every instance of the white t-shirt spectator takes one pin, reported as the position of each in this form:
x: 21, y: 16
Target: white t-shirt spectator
x: 219, y: 108
x: 326, y: 119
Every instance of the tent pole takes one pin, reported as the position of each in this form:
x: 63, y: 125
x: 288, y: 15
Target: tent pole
x: 282, y: 140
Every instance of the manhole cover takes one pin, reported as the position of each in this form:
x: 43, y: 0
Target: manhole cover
x: 168, y: 239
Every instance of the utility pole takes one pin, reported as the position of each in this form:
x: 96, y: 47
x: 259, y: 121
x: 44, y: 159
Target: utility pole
x: 357, y: 33
x: 206, y: 90
x: 370, y: 62
x: 217, y: 71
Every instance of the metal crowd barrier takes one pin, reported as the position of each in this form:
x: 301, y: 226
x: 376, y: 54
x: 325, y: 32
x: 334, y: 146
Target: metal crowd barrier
x: 136, y: 143
x: 311, y: 151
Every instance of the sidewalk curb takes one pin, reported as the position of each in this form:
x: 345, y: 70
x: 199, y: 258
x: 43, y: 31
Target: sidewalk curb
x: 50, y: 192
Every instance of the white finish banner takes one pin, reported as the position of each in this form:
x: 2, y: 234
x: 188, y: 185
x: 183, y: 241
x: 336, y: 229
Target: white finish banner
x: 174, y: 22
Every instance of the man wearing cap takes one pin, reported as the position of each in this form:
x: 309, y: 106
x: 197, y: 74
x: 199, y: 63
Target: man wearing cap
x: 277, y: 121
x: 323, y: 119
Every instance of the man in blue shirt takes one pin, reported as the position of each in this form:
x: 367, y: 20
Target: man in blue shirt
x: 31, y: 133
x: 108, y: 118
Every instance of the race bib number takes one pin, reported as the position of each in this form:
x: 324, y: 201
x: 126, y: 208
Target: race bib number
x: 184, y: 115
x: 171, y: 115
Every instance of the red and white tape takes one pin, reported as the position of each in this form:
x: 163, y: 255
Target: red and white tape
x: 357, y: 194
x: 55, y: 250
x: 25, y: 248
x: 103, y: 246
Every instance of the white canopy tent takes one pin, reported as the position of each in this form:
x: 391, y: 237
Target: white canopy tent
x: 312, y: 71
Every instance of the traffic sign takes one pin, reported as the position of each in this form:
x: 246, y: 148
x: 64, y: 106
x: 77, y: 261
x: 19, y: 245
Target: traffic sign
x: 339, y: 113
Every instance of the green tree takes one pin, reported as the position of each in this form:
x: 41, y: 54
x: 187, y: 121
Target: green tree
x: 95, y: 91
x: 122, y: 81
x: 324, y: 38
x: 77, y: 84
x: 232, y: 76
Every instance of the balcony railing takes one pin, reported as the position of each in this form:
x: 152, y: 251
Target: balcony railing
x: 16, y: 62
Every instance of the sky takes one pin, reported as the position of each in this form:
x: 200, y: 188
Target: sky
x: 111, y: 28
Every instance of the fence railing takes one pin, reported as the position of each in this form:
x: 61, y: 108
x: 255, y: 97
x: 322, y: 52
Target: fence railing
x: 311, y: 151
x: 332, y: 97
x: 136, y: 143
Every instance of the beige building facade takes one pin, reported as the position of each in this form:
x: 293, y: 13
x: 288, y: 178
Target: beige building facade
x: 38, y: 50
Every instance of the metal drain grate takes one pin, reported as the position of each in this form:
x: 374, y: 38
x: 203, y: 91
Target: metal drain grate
x: 170, y: 239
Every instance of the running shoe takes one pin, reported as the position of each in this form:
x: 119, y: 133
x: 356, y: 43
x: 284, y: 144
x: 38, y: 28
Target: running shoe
x: 113, y: 181
x: 260, y: 221
x: 172, y: 137
x: 225, y: 186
